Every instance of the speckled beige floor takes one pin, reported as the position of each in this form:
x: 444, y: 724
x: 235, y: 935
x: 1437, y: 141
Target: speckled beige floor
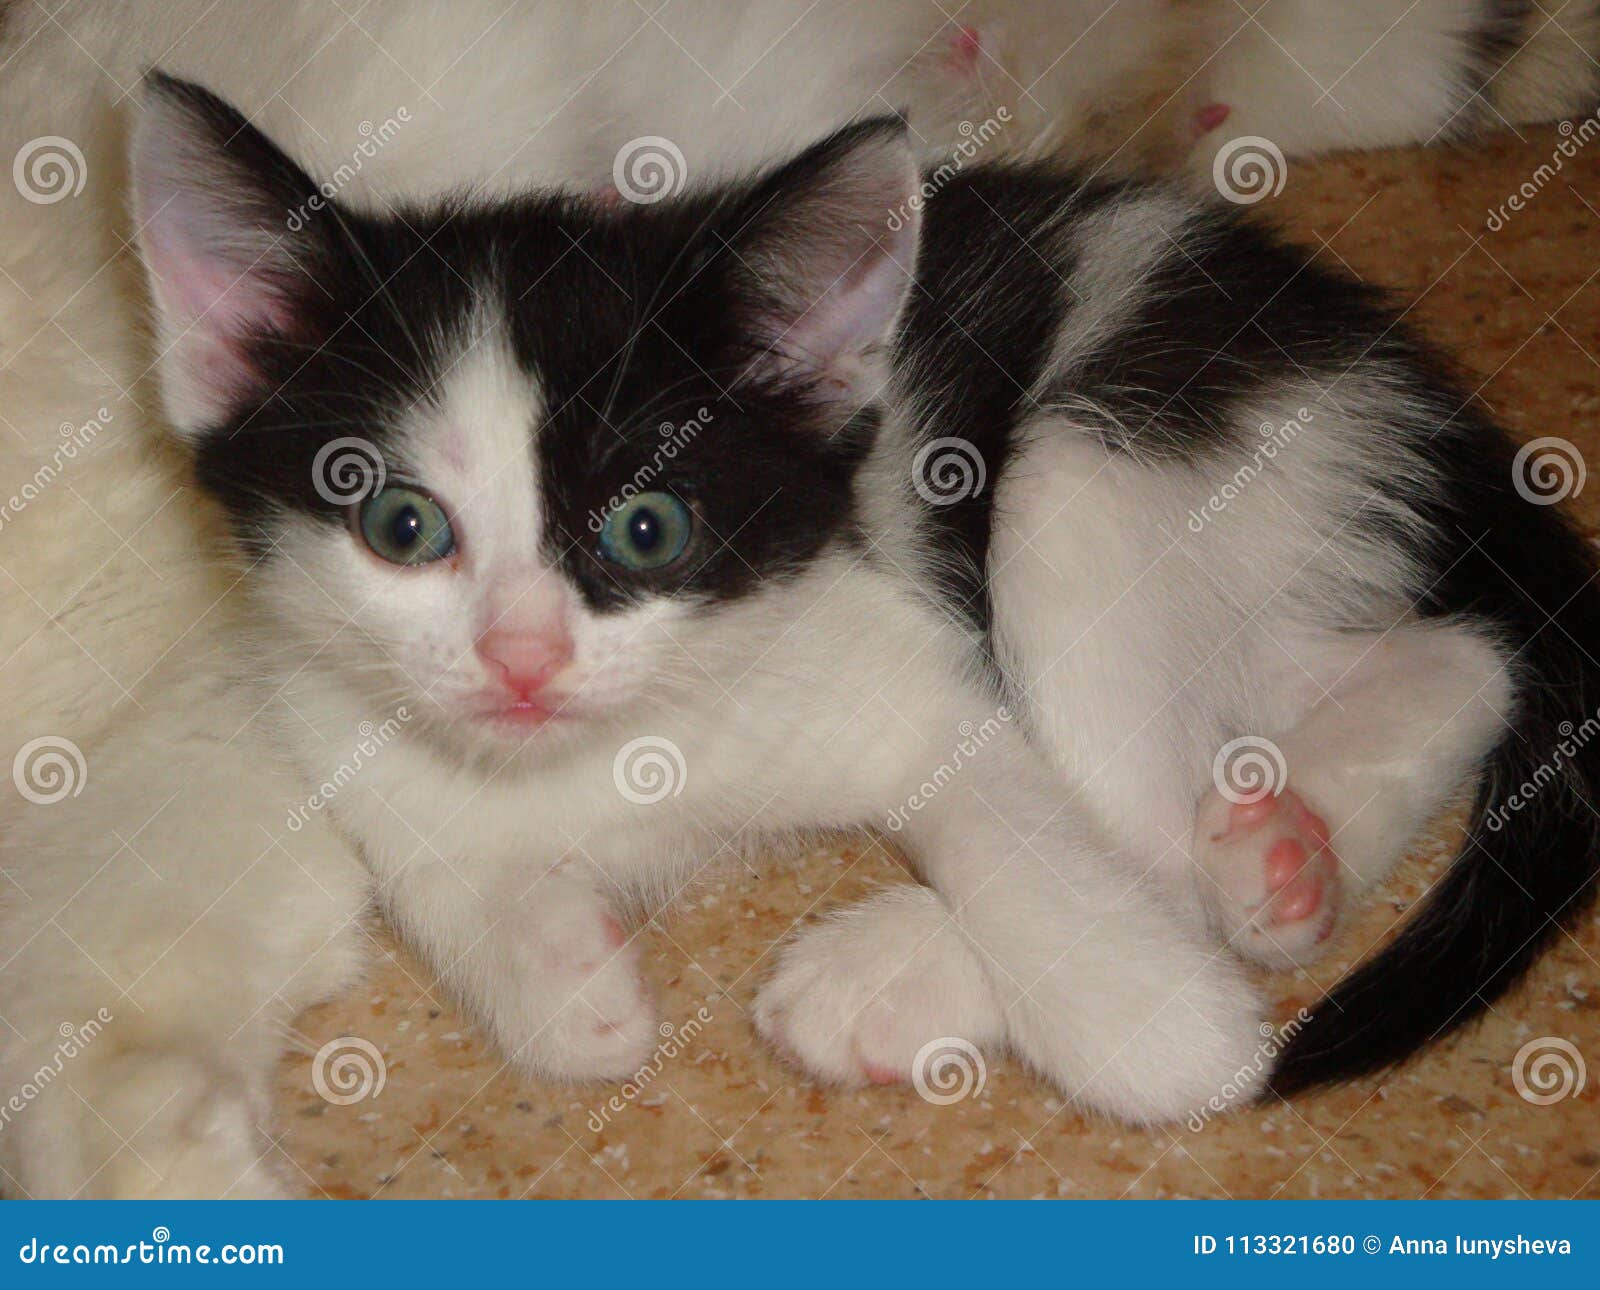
x: 724, y: 1117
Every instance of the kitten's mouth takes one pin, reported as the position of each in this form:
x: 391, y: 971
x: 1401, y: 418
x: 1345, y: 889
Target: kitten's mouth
x: 528, y: 714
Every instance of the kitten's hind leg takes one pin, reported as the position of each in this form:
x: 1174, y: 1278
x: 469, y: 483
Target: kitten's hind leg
x: 1032, y: 931
x: 1403, y: 718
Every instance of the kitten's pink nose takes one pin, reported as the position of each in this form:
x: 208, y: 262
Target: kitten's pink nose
x: 525, y: 660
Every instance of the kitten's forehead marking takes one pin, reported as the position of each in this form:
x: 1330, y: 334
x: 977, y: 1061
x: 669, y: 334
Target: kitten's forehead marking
x: 473, y: 438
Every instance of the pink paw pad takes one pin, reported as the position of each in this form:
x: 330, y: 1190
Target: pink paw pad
x: 882, y: 1074
x: 1299, y: 869
x: 584, y: 956
x: 625, y: 1012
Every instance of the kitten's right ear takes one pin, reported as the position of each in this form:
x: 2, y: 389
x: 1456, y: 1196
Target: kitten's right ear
x: 827, y: 252
x: 216, y: 208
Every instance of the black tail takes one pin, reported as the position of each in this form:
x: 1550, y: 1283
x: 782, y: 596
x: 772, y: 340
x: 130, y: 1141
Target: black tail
x: 1531, y: 862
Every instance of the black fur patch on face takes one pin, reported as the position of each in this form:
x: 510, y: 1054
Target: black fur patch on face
x: 357, y: 343
x: 658, y: 355
x: 362, y: 352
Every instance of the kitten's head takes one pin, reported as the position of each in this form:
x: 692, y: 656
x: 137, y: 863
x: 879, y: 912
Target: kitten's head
x: 519, y: 464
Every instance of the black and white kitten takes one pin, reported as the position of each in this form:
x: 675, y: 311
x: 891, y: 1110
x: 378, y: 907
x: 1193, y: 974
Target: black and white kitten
x: 581, y: 544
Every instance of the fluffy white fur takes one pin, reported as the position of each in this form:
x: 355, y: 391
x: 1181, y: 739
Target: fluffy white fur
x: 1313, y: 76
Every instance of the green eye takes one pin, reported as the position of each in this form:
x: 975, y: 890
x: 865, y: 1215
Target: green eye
x: 649, y: 531
x: 404, y: 526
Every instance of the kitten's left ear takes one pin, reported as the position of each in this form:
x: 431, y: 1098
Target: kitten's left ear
x: 221, y: 220
x: 827, y: 253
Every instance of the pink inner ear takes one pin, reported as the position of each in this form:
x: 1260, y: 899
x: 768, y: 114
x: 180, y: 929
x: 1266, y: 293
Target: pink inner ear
x: 217, y: 369
x: 834, y: 254
x: 228, y: 293
x: 852, y: 312
x: 212, y: 235
x: 856, y: 310
x: 210, y: 307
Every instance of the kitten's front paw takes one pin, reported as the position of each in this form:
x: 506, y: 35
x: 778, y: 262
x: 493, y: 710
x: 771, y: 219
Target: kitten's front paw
x: 855, y: 997
x: 1162, y: 1037
x: 575, y: 1006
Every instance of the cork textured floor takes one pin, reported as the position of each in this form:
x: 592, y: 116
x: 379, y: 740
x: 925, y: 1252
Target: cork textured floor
x: 392, y: 1092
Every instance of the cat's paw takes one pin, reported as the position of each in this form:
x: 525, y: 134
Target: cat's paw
x: 854, y: 998
x: 575, y: 1005
x: 168, y: 1127
x: 1269, y: 875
